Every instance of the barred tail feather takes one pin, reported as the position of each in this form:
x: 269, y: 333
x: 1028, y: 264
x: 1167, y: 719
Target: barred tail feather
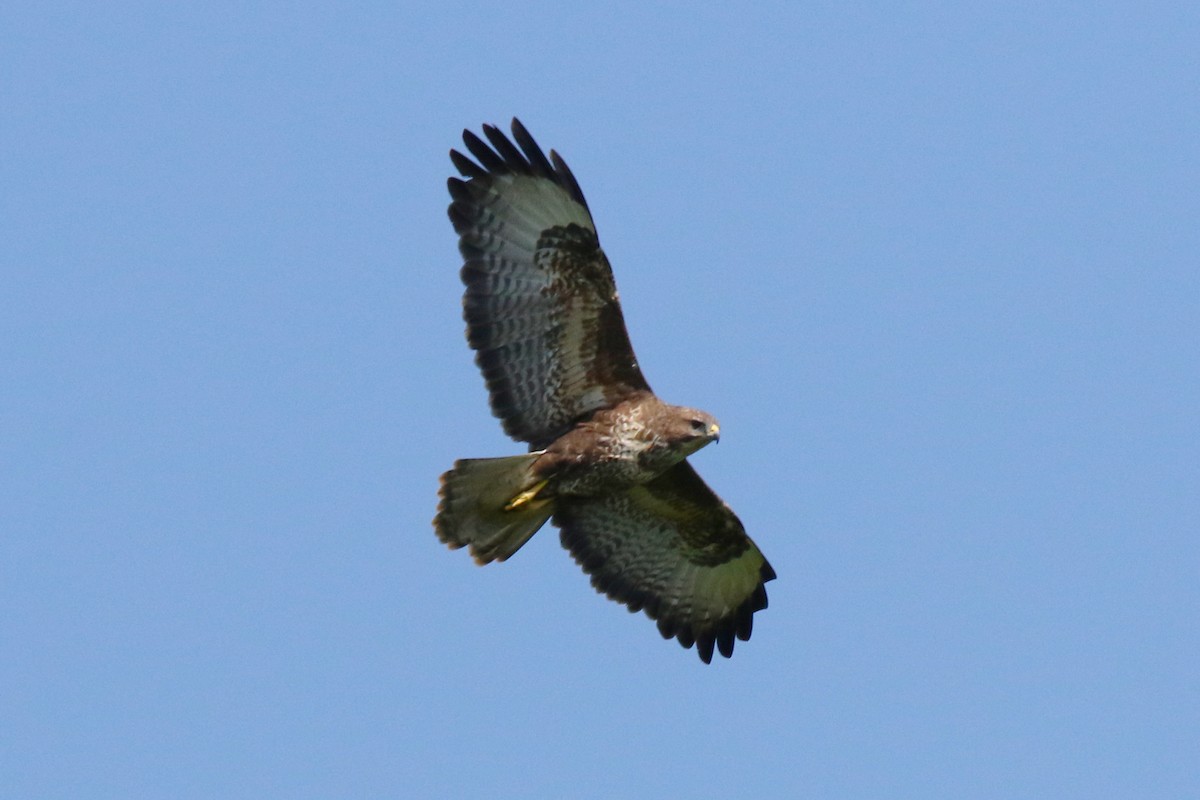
x: 491, y: 505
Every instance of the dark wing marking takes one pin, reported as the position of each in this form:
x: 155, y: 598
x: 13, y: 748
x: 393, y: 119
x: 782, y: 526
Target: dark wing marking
x: 540, y: 304
x: 671, y: 547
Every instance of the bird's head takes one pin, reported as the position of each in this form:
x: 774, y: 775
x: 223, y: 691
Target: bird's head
x: 692, y: 429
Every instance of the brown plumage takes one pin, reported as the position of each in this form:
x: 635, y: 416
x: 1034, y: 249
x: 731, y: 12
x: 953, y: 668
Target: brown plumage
x: 607, y: 458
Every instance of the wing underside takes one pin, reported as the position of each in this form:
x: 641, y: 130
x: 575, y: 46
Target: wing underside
x: 540, y: 304
x: 673, y: 549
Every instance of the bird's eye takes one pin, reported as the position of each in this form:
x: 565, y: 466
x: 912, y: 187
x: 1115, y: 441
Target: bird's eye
x: 699, y: 425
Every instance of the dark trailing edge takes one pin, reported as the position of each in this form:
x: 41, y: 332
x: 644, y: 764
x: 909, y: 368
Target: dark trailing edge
x: 737, y: 625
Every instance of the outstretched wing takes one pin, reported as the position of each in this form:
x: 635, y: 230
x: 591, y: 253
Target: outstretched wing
x: 540, y: 305
x: 674, y: 549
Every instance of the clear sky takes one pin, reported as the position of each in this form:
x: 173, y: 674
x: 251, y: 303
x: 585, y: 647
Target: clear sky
x: 934, y: 266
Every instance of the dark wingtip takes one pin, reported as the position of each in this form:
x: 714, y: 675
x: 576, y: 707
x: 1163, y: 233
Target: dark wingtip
x: 725, y: 642
x: 465, y: 166
x: 497, y: 154
x: 537, y: 159
x: 704, y: 648
x: 508, y: 151
x: 484, y: 154
x: 567, y: 178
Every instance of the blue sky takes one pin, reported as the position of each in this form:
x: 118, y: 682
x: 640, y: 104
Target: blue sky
x: 933, y: 266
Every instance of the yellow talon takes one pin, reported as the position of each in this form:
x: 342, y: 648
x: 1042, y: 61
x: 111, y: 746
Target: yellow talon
x: 526, y: 496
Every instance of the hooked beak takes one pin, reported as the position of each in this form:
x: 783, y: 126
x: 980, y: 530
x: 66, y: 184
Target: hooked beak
x: 714, y: 432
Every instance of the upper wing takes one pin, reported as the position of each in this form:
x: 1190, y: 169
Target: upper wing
x: 541, y: 305
x: 673, y: 548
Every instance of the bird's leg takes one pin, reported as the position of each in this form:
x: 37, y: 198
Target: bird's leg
x: 527, y: 496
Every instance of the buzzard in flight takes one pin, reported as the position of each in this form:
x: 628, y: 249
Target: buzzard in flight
x: 607, y: 460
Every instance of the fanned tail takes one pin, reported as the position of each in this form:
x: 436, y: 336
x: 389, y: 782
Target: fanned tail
x: 491, y: 505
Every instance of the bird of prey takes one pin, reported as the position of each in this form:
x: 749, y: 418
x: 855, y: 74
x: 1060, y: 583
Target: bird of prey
x: 607, y: 458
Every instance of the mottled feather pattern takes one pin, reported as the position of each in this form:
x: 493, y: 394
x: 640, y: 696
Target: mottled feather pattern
x: 609, y: 458
x: 541, y: 305
x: 662, y: 549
